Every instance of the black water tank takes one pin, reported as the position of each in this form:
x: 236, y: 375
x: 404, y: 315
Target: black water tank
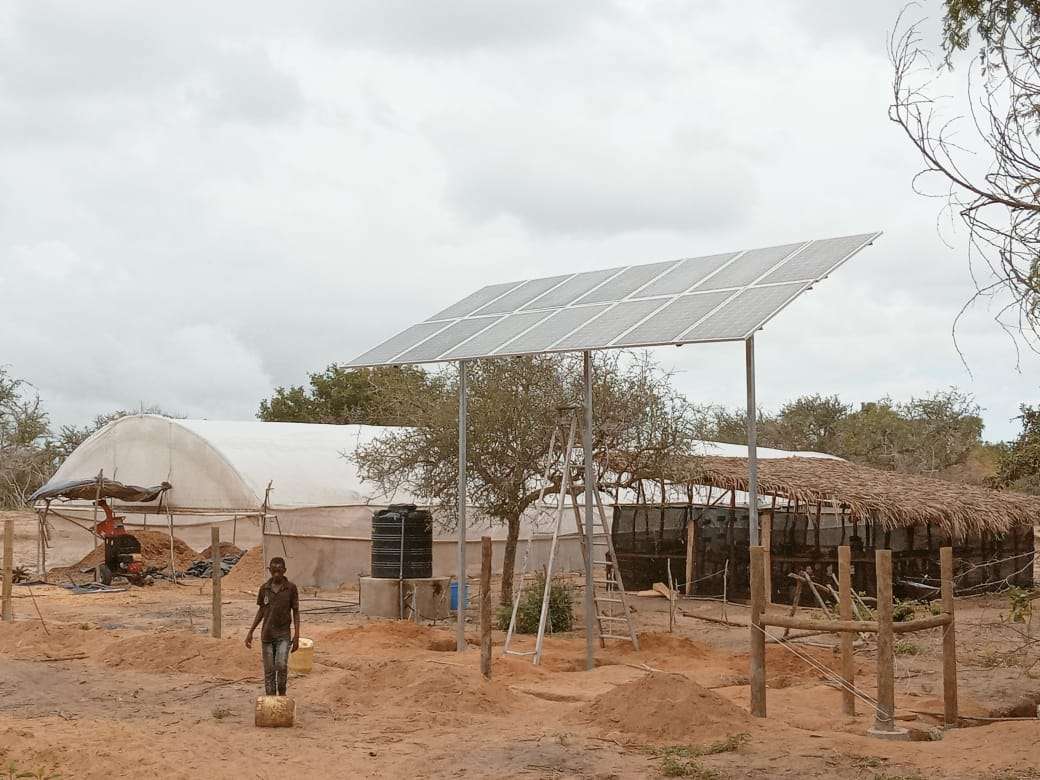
x: 387, y: 528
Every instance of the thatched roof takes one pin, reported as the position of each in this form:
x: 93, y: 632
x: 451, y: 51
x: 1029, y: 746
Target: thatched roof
x: 887, y: 497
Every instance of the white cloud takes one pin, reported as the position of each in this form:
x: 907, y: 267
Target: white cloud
x: 201, y: 201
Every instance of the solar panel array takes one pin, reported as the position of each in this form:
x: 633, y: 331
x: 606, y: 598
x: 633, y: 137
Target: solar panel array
x: 724, y: 297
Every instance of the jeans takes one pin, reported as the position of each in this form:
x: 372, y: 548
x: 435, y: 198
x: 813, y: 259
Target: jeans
x: 276, y: 665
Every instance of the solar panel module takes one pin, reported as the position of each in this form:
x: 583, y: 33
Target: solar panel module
x: 720, y: 297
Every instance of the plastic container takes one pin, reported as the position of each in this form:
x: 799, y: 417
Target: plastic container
x: 454, y: 598
x: 402, y: 543
x: 302, y: 661
x: 275, y: 711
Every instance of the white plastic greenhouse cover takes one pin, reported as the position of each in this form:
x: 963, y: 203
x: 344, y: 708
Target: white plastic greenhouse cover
x: 226, y: 465
x: 218, y: 465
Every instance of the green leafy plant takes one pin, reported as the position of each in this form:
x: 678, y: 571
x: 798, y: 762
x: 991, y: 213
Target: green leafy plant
x: 903, y: 611
x: 680, y: 760
x: 903, y: 647
x: 12, y: 772
x: 1020, y: 606
x: 674, y: 766
x: 529, y: 610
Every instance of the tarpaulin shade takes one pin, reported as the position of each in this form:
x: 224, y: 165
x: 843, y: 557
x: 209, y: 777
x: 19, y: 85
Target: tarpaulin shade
x: 87, y: 490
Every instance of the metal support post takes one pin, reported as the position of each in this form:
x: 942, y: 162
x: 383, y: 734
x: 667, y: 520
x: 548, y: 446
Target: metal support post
x: 460, y: 628
x: 590, y: 480
x: 752, y: 443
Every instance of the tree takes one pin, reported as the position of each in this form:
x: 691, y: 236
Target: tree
x: 25, y: 457
x: 999, y: 202
x: 812, y: 422
x: 923, y: 435
x: 1019, y: 466
x: 340, y: 395
x: 512, y: 407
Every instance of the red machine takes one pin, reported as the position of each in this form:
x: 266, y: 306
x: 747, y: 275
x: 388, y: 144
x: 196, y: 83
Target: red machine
x: 122, y: 550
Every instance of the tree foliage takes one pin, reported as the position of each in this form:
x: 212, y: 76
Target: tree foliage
x: 342, y: 396
x: 1019, y: 467
x: 513, y: 404
x: 922, y: 436
x: 26, y: 459
x: 997, y: 201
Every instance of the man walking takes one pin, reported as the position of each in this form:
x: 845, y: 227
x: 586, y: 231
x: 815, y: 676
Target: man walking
x: 279, y: 608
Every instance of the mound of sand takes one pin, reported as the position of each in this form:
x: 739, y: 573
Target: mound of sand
x: 226, y: 548
x: 380, y: 635
x: 666, y: 707
x: 182, y: 651
x: 155, y: 550
x: 656, y: 644
x: 419, y: 685
x: 249, y: 573
x: 157, y: 652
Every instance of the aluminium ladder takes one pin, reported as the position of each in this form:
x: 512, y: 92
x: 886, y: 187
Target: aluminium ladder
x: 608, y: 591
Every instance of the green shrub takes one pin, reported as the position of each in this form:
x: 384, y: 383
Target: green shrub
x: 903, y: 647
x: 1020, y: 604
x: 528, y: 612
x: 902, y: 611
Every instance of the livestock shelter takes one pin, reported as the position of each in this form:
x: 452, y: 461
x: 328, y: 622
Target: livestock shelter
x: 292, y: 487
x: 810, y: 506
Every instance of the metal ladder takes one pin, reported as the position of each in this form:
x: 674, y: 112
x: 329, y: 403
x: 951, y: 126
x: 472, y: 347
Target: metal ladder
x: 607, y: 591
x: 608, y: 594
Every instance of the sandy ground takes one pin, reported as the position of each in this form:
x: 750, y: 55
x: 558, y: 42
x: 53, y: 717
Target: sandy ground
x: 131, y: 684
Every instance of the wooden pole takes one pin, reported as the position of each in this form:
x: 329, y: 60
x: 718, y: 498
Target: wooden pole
x: 949, y: 639
x: 8, y: 609
x: 214, y: 540
x: 848, y: 662
x: 671, y: 597
x: 485, y: 606
x: 766, y: 533
x: 691, y: 555
x: 886, y: 692
x: 758, y: 637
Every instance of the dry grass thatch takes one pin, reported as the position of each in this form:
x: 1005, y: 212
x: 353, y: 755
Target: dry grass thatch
x: 889, y: 498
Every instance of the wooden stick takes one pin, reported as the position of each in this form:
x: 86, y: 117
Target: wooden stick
x: 811, y: 624
x: 485, y: 606
x: 794, y: 603
x: 886, y: 692
x: 214, y: 541
x: 766, y: 535
x: 816, y: 594
x: 38, y: 613
x: 949, y: 639
x: 848, y: 663
x: 671, y: 597
x: 725, y: 587
x: 691, y: 556
x: 8, y: 607
x: 758, y: 637
x: 720, y: 621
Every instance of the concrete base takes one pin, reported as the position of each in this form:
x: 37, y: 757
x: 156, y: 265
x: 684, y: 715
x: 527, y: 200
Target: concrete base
x: 382, y: 598
x: 896, y: 733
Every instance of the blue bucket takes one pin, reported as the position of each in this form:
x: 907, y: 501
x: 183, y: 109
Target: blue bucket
x: 455, y: 596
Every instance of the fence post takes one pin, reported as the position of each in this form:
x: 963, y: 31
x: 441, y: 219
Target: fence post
x: 884, y: 719
x: 766, y: 533
x: 848, y: 662
x: 8, y: 610
x: 485, y: 606
x: 949, y: 647
x: 691, y: 555
x: 215, y: 557
x: 758, y: 637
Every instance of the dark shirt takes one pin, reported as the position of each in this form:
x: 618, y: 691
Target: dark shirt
x: 278, y: 615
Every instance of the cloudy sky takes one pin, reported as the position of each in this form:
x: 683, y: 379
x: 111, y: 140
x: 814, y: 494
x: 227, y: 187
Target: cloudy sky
x: 200, y: 201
